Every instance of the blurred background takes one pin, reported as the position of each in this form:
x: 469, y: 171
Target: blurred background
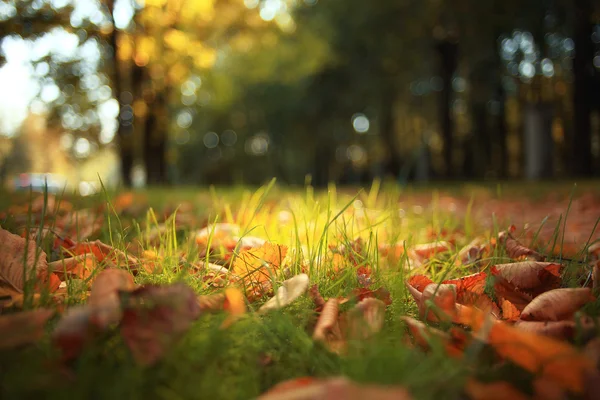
x: 162, y: 92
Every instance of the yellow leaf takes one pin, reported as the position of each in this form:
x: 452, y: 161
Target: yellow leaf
x: 259, y: 264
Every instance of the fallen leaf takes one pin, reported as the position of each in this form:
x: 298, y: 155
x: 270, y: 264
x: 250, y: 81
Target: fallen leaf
x: 424, y: 335
x: 234, y: 304
x: 556, y: 329
x: 442, y: 296
x: 381, y: 294
x: 333, y: 389
x: 257, y: 267
x: 289, y: 291
x: 23, y: 328
x: 12, y: 254
x: 327, y: 329
x: 499, y: 390
x: 539, y: 354
x: 557, y: 304
x: 546, y: 389
x: 419, y: 282
x: 104, y: 295
x: 366, y: 318
x: 316, y: 297
x: 73, y: 331
x: 529, y: 275
x: 155, y: 317
x: 516, y: 250
x: 79, y: 267
x: 211, y: 303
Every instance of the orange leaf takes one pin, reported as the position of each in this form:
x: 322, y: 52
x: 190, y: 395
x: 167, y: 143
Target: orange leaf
x: 492, y: 391
x: 234, y: 304
x: 557, y: 329
x: 423, y: 334
x: 516, y: 250
x: 529, y: 275
x: 23, y: 328
x: 419, y: 282
x: 557, y: 304
x: 259, y: 264
x: 509, y: 311
x: 12, y: 255
x: 548, y: 357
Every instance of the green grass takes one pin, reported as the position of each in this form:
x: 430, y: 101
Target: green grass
x: 257, y: 352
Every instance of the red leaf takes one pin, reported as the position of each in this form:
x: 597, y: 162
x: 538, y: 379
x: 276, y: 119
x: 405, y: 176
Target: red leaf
x: 419, y: 282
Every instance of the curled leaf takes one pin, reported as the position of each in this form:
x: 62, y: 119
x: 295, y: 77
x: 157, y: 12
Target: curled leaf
x: 14, y: 251
x: 529, y: 274
x: 234, y: 304
x: 155, y: 317
x: 556, y: 329
x: 419, y: 282
x: 327, y: 328
x: 104, y: 295
x: 23, y: 327
x: 443, y: 297
x: 366, y: 318
x: 516, y: 250
x: 557, y: 304
x: 290, y: 290
x: 492, y: 391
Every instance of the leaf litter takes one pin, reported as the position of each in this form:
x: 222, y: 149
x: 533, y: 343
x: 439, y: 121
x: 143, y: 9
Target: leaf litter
x: 488, y: 301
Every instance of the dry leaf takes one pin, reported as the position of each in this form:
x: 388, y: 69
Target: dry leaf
x: 73, y: 331
x: 12, y: 255
x: 234, y: 304
x: 443, y: 297
x: 557, y: 329
x: 78, y: 267
x: 155, y: 317
x: 23, y: 327
x: 419, y: 282
x: 516, y: 250
x: 546, y: 389
x: 423, y: 335
x: 316, y: 297
x: 381, y: 294
x: 104, y: 295
x: 290, y: 290
x: 327, y: 329
x: 557, y: 304
x: 333, y: 389
x: 258, y: 267
x: 366, y: 318
x: 211, y: 303
x: 529, y: 275
x: 492, y: 391
x: 539, y: 354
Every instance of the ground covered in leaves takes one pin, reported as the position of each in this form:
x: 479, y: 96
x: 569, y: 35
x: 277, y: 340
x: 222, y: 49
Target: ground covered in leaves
x: 383, y: 293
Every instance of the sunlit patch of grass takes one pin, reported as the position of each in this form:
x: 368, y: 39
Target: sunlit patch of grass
x: 257, y: 352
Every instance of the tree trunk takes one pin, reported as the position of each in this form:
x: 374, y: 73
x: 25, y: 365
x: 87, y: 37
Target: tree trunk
x: 537, y: 123
x: 155, y: 141
x: 388, y: 133
x: 124, y: 133
x: 582, y: 89
x: 501, y: 130
x: 448, y: 57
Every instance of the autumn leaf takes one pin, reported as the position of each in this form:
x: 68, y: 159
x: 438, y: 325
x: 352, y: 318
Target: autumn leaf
x: 289, y: 291
x: 104, y: 295
x: 333, y: 388
x: 424, y: 335
x: 155, y: 317
x: 234, y: 304
x: 539, y: 354
x: 23, y: 328
x: 316, y: 297
x: 499, y: 390
x: 556, y: 329
x: 381, y: 294
x: 442, y: 297
x: 257, y: 267
x: 212, y: 302
x: 419, y: 282
x: 366, y: 318
x: 557, y: 304
x: 327, y: 329
x: 516, y: 250
x: 529, y: 275
x: 78, y: 267
x: 19, y: 256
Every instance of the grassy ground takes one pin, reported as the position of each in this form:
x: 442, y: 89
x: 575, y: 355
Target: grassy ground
x: 257, y: 352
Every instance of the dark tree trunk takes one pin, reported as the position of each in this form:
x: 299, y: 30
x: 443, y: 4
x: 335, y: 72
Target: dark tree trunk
x: 448, y: 57
x: 539, y: 149
x: 500, y: 127
x: 581, y: 156
x: 388, y: 133
x: 155, y: 141
x: 124, y: 133
x: 481, y: 141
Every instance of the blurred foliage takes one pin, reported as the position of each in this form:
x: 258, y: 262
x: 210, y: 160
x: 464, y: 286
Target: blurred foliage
x: 223, y: 91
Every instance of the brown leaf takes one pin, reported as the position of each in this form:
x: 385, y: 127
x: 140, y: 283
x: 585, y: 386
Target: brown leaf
x: 23, y: 327
x: 73, y: 331
x: 539, y: 354
x: 499, y: 390
x: 316, y: 297
x: 419, y: 282
x: 234, y: 304
x: 327, y: 329
x: 557, y: 304
x: 509, y: 311
x: 529, y: 275
x: 381, y: 294
x: 472, y: 252
x: 289, y: 291
x: 443, y: 297
x: 557, y: 329
x: 547, y: 389
x: 12, y: 254
x: 333, y: 389
x: 155, y: 317
x: 516, y: 250
x: 104, y: 296
x: 423, y: 336
x: 366, y: 318
x: 78, y: 267
x: 211, y: 303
